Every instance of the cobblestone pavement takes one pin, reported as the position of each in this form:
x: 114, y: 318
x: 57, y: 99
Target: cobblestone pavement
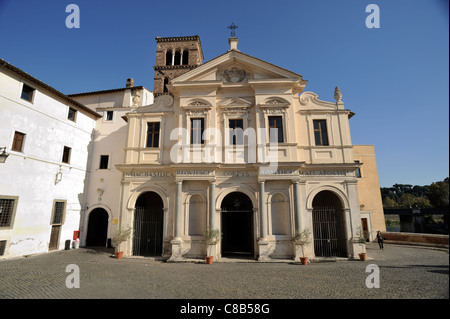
x: 405, y: 272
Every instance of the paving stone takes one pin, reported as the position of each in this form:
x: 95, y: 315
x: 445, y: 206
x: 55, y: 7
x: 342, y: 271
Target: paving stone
x: 405, y: 272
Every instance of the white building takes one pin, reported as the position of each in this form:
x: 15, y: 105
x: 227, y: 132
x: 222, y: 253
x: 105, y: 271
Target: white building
x: 102, y: 200
x: 47, y: 136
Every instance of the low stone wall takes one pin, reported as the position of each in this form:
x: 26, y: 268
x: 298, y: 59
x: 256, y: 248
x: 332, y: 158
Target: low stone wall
x: 415, y: 238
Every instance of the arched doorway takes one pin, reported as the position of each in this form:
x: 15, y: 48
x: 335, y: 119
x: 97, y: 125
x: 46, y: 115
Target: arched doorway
x: 97, y: 228
x: 237, y: 225
x: 148, y: 225
x: 329, y: 225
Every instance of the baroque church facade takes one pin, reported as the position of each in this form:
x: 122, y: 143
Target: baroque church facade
x: 235, y: 144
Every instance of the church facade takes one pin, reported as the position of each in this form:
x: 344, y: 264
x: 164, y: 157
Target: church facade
x: 237, y: 144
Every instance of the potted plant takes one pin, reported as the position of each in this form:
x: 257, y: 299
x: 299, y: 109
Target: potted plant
x: 303, y: 239
x: 212, y: 237
x: 363, y: 236
x: 119, y: 237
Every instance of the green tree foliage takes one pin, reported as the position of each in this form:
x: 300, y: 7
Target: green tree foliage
x: 439, y: 193
x: 406, y: 195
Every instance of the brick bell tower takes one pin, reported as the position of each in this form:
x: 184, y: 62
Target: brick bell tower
x: 174, y: 57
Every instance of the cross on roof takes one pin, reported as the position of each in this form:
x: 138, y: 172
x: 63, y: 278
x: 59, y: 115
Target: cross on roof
x: 232, y: 27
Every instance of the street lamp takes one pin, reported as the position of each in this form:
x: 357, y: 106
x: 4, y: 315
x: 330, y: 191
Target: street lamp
x: 3, y: 155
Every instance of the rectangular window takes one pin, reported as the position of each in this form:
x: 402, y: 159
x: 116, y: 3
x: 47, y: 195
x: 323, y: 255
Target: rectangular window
x: 2, y: 247
x: 7, y: 207
x: 72, y: 114
x: 197, y: 128
x: 358, y: 170
x: 153, y: 134
x: 276, y: 129
x: 104, y: 161
x: 320, y: 132
x: 19, y: 139
x: 66, y: 155
x: 109, y: 115
x: 236, y: 131
x: 27, y: 93
x: 58, y: 212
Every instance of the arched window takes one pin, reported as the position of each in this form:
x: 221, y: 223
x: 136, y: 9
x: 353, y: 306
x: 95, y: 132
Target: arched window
x: 166, y: 81
x: 197, y: 215
x: 169, y: 57
x: 280, y: 215
x: 177, y: 58
x: 185, y: 57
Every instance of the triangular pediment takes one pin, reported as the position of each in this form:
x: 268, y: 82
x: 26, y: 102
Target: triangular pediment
x: 235, y: 102
x: 236, y: 67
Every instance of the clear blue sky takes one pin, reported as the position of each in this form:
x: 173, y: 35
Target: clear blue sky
x: 394, y: 78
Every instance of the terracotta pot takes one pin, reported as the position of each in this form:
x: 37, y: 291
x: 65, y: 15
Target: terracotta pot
x: 209, y: 260
x: 304, y: 260
x: 119, y: 254
x: 363, y: 256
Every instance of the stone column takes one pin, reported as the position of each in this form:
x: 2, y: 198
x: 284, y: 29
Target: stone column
x: 262, y: 210
x: 177, y: 241
x: 297, y: 206
x: 212, y: 205
x: 262, y: 242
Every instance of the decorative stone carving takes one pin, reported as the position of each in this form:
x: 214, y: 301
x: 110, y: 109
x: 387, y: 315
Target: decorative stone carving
x: 308, y: 96
x: 235, y: 75
x: 198, y: 104
x: 337, y: 94
x: 196, y: 112
x: 164, y: 100
x: 136, y: 99
x: 274, y: 106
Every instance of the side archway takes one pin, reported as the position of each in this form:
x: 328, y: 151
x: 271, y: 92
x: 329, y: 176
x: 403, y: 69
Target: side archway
x: 329, y: 224
x: 97, y: 230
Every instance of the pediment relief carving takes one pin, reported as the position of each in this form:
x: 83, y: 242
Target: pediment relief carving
x: 274, y: 104
x: 235, y: 105
x: 197, y: 105
x: 235, y: 75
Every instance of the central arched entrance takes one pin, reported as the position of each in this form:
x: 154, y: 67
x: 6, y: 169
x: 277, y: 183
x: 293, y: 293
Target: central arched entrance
x: 148, y: 225
x: 237, y: 226
x: 329, y: 225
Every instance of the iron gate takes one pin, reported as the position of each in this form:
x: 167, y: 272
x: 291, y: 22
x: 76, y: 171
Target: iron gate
x: 148, y: 232
x: 329, y: 232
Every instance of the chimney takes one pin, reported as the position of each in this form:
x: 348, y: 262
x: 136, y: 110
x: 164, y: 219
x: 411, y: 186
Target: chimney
x: 130, y: 83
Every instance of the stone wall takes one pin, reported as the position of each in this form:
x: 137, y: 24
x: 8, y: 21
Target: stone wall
x: 425, y: 239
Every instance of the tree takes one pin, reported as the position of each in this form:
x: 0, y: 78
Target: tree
x: 389, y: 203
x: 406, y: 195
x: 439, y: 193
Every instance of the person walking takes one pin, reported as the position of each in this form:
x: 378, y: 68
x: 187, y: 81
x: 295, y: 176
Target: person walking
x: 380, y: 240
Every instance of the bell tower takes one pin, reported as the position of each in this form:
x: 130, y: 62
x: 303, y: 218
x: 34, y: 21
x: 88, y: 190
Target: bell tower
x: 174, y: 57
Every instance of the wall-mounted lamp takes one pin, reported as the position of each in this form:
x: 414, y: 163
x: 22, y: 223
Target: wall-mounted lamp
x: 3, y: 155
x: 58, y: 176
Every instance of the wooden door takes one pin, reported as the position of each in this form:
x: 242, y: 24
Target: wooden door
x: 365, y: 228
x: 54, y: 237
